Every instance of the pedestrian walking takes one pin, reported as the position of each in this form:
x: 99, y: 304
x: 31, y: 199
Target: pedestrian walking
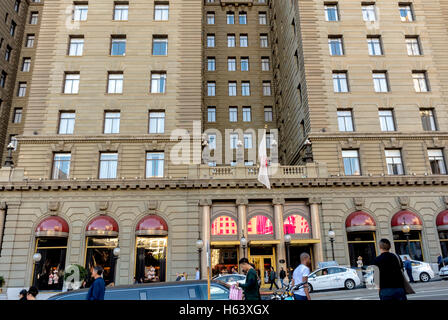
x: 282, y: 275
x: 300, y: 275
x: 272, y: 278
x: 198, y: 274
x: 359, y: 263
x: 183, y: 276
x: 251, y: 287
x: 390, y: 273
x: 98, y: 287
x: 440, y: 261
x: 408, y: 267
x: 178, y: 277
x: 32, y: 293
x: 22, y: 295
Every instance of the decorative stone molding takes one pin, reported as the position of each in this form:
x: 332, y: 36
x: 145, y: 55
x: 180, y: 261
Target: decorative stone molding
x: 54, y: 206
x: 242, y: 201
x: 358, y: 203
x: 445, y: 201
x: 404, y: 202
x: 102, y: 206
x: 276, y: 201
x: 314, y: 200
x: 205, y: 202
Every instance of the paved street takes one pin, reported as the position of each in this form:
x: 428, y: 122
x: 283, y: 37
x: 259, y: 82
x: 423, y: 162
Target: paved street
x: 434, y: 290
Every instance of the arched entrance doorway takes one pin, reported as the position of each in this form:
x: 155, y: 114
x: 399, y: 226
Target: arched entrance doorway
x: 408, y: 243
x: 442, y: 228
x: 361, y: 237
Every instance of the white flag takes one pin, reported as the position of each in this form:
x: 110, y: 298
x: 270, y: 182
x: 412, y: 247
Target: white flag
x: 263, y: 176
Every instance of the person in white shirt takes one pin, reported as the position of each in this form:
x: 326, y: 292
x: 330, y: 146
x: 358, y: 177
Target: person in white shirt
x: 300, y: 275
x: 198, y: 274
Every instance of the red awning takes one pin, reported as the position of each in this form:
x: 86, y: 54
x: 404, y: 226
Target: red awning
x: 151, y: 225
x: 442, y: 221
x: 52, y: 227
x: 360, y: 221
x: 102, y: 226
x: 406, y: 217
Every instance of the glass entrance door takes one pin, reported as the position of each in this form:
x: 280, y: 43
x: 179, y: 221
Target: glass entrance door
x: 263, y: 264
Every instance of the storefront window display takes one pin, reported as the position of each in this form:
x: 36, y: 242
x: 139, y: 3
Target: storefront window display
x: 223, y: 260
x: 296, y: 224
x: 260, y: 225
x: 49, y: 272
x: 150, y: 259
x: 100, y: 253
x: 223, y: 226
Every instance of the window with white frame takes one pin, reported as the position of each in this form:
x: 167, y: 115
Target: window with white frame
x: 80, y: 12
x: 230, y: 40
x: 108, y: 165
x: 437, y: 161
x: 369, y: 12
x: 161, y: 12
x: 420, y: 81
x: 345, y: 120
x: 158, y: 82
x: 335, y: 45
x: 211, y: 64
x: 340, y: 81
x: 155, y: 164
x: 66, y: 122
x: 26, y: 64
x: 211, y: 114
x: 156, y: 122
x: 111, y: 122
x: 380, y: 81
x: 210, y: 40
x: 243, y: 40
x: 232, y: 88
x: 233, y: 114
x: 243, y: 18
x: 265, y: 64
x: 30, y: 40
x: 233, y: 140
x: 61, y: 166
x: 351, y: 162
x: 159, y: 45
x: 268, y: 114
x: 245, y: 88
x: 262, y: 18
x: 413, y: 46
x: 406, y: 12
x: 247, y: 114
x: 231, y: 64
x: 230, y: 18
x: 118, y: 46
x: 22, y: 89
x: 17, y: 117
x: 387, y: 122
x: 244, y: 63
x: 115, y: 83
x: 34, y: 18
x: 428, y: 120
x: 76, y: 46
x: 210, y: 18
x: 211, y: 88
x: 394, y: 162
x: 121, y: 12
x: 374, y: 45
x: 248, y: 141
x: 266, y: 88
x: 331, y: 12
x: 264, y: 41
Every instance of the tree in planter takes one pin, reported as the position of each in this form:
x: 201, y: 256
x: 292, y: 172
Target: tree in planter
x: 74, y: 275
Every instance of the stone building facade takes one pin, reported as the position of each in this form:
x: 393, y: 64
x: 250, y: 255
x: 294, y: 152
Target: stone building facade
x: 110, y: 151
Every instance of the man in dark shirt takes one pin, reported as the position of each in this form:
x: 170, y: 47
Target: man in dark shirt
x: 250, y: 288
x: 408, y: 268
x: 391, y: 275
x: 98, y: 287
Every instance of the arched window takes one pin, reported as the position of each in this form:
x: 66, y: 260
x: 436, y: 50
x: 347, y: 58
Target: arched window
x: 361, y: 227
x: 414, y: 237
x: 442, y: 228
x: 224, y: 226
x: 295, y: 224
x: 260, y: 225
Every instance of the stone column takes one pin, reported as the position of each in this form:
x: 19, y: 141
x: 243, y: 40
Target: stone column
x: 278, y: 232
x: 242, y: 222
x: 2, y: 221
x: 316, y: 229
x: 205, y: 205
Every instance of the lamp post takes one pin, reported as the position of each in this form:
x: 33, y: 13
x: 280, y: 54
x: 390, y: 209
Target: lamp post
x: 199, y: 246
x: 332, y: 235
x: 243, y: 243
x: 407, y: 232
x: 287, y: 244
x: 8, y: 161
x: 116, y: 253
x: 37, y: 257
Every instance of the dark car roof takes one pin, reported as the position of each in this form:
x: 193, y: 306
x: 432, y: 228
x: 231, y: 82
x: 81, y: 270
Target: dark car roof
x: 149, y: 285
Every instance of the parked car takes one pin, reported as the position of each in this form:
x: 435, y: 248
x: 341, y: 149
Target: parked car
x: 231, y: 279
x: 333, y: 278
x: 421, y: 271
x: 443, y: 272
x: 180, y: 290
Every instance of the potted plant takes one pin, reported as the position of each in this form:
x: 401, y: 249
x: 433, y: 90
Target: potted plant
x: 74, y: 275
x: 2, y: 282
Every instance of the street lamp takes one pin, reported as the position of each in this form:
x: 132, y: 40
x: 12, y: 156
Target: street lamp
x: 332, y: 235
x: 116, y: 253
x: 243, y: 243
x: 8, y: 161
x: 407, y: 232
x: 287, y: 244
x: 37, y: 257
x: 199, y: 246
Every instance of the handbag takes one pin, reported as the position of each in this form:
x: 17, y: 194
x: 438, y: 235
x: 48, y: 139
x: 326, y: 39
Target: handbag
x: 406, y: 285
x: 236, y: 293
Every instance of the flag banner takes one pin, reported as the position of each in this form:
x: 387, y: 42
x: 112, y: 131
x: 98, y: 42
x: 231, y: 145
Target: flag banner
x: 263, y: 175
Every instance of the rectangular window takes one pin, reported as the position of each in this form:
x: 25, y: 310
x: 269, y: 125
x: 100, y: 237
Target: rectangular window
x: 30, y: 40
x: 413, y: 45
x: 268, y: 114
x: 387, y: 122
x: 247, y: 115
x: 161, y: 12
x: 22, y: 89
x: 244, y: 64
x: 8, y: 53
x: 266, y: 88
x: 17, y: 118
x: 3, y: 78
x: 211, y: 40
x: 247, y: 141
x: 243, y: 40
x: 34, y: 18
x: 233, y: 140
x: 230, y: 18
x: 420, y: 81
x: 159, y: 45
x: 394, y: 163
x: 26, y: 64
x: 374, y: 45
x: 211, y: 64
x: 12, y: 30
x: 211, y: 89
x: 351, y: 162
x: 76, y: 46
x: 437, y: 161
x: 380, y: 81
x: 158, y: 82
x: 331, y: 12
x: 340, y: 81
x: 368, y: 12
x: 111, y: 122
x: 264, y: 41
x: 262, y: 18
x: 118, y: 46
x: 210, y: 18
x: 335, y: 46
x: 231, y: 64
x: 61, y: 166
x: 232, y: 88
x: 243, y: 18
x: 108, y: 165
x: 17, y: 6
x: 245, y: 88
x: 233, y: 114
x: 345, y: 120
x: 428, y: 120
x: 406, y: 13
x: 155, y: 164
x: 80, y: 12
x: 156, y: 122
x: 115, y: 83
x: 121, y: 12
x: 211, y: 114
x: 265, y: 64
x: 231, y: 40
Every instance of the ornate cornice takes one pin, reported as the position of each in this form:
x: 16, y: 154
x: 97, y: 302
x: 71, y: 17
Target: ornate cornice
x: 430, y: 136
